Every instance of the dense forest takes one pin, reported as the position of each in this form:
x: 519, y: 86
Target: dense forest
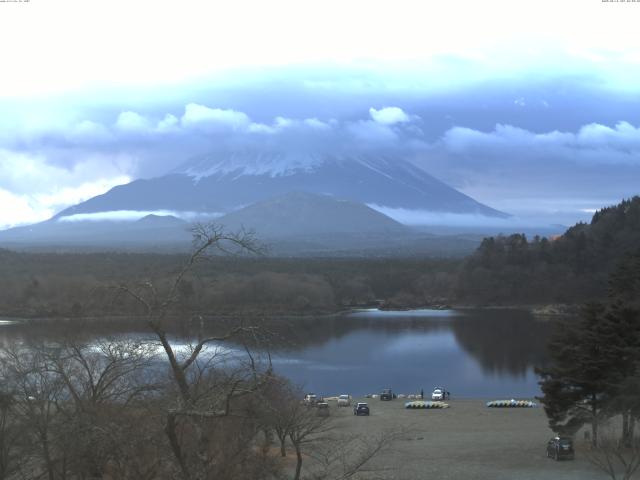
x: 505, y: 270
x: 571, y: 268
x: 64, y: 284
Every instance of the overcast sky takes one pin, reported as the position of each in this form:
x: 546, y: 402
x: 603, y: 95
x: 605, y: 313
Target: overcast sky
x: 530, y: 107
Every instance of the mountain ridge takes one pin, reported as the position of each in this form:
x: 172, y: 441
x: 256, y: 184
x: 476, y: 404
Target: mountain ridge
x: 297, y: 224
x: 217, y: 185
x: 308, y: 214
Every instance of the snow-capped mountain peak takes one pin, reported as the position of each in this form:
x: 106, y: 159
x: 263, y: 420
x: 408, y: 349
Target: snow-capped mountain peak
x: 273, y: 164
x: 223, y: 183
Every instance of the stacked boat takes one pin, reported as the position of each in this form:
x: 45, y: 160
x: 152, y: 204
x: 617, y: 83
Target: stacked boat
x: 511, y: 404
x: 419, y: 404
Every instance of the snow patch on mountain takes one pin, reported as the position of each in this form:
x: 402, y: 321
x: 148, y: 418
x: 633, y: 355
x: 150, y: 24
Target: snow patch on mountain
x: 280, y: 164
x: 273, y: 164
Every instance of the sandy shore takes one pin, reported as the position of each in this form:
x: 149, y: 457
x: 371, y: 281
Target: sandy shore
x: 466, y: 441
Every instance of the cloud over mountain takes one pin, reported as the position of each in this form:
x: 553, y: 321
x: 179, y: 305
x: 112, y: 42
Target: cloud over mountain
x: 32, y: 189
x: 592, y: 143
x: 213, y: 119
x: 67, y: 160
x: 88, y: 152
x: 201, y: 128
x: 389, y: 115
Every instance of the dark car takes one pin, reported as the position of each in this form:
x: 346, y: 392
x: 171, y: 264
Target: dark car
x: 387, y: 394
x: 323, y: 409
x: 361, y: 409
x: 559, y: 448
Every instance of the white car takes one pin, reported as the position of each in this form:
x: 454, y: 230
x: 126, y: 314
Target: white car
x: 311, y: 399
x: 438, y: 394
x: 344, y: 400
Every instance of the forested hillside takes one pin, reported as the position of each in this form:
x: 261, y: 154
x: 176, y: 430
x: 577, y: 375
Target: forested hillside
x: 65, y: 284
x: 571, y: 268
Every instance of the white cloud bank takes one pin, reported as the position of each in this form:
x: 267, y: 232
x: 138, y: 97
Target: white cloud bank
x: 555, y: 175
x: 32, y: 189
x: 389, y: 115
x: 132, y: 121
x: 201, y: 116
x: 81, y: 49
x: 521, y: 219
x: 207, y: 127
x: 593, y: 143
x: 133, y: 215
x: 202, y: 128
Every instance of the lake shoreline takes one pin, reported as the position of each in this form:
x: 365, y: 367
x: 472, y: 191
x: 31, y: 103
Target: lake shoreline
x: 550, y: 310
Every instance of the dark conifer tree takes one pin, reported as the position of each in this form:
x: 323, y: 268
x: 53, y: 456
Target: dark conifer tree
x: 595, y: 361
x: 575, y: 386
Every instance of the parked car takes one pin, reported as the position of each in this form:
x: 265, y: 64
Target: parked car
x: 344, y: 400
x: 438, y: 394
x: 310, y: 399
x: 323, y: 409
x: 387, y: 394
x: 560, y: 447
x: 361, y: 409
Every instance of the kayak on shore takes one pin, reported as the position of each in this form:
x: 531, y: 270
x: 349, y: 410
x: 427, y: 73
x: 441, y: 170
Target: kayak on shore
x: 511, y: 404
x: 426, y: 404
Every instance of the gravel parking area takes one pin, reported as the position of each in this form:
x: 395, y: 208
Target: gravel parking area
x: 466, y: 441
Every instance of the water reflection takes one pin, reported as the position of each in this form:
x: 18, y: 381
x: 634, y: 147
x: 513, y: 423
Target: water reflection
x: 474, y: 353
x: 503, y: 341
x: 403, y: 314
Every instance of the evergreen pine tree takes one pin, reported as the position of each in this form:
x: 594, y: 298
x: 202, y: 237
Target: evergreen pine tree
x: 575, y: 386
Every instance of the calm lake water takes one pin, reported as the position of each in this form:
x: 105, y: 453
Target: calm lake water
x: 473, y: 353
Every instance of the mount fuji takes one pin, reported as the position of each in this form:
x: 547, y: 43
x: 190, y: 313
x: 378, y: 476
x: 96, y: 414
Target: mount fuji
x: 217, y: 184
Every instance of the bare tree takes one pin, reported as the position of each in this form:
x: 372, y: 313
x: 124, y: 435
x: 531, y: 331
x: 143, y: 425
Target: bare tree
x: 10, y: 437
x: 618, y: 458
x: 281, y: 402
x: 37, y: 397
x: 103, y: 372
x: 158, y: 305
x: 306, y: 428
x: 342, y: 457
x: 74, y: 404
x: 201, y: 398
x: 100, y: 379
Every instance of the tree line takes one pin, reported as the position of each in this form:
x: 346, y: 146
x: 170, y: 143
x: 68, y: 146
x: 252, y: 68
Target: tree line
x: 571, y: 268
x: 77, y: 285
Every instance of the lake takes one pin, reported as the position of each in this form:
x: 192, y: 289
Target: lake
x: 482, y: 353
x: 473, y: 353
